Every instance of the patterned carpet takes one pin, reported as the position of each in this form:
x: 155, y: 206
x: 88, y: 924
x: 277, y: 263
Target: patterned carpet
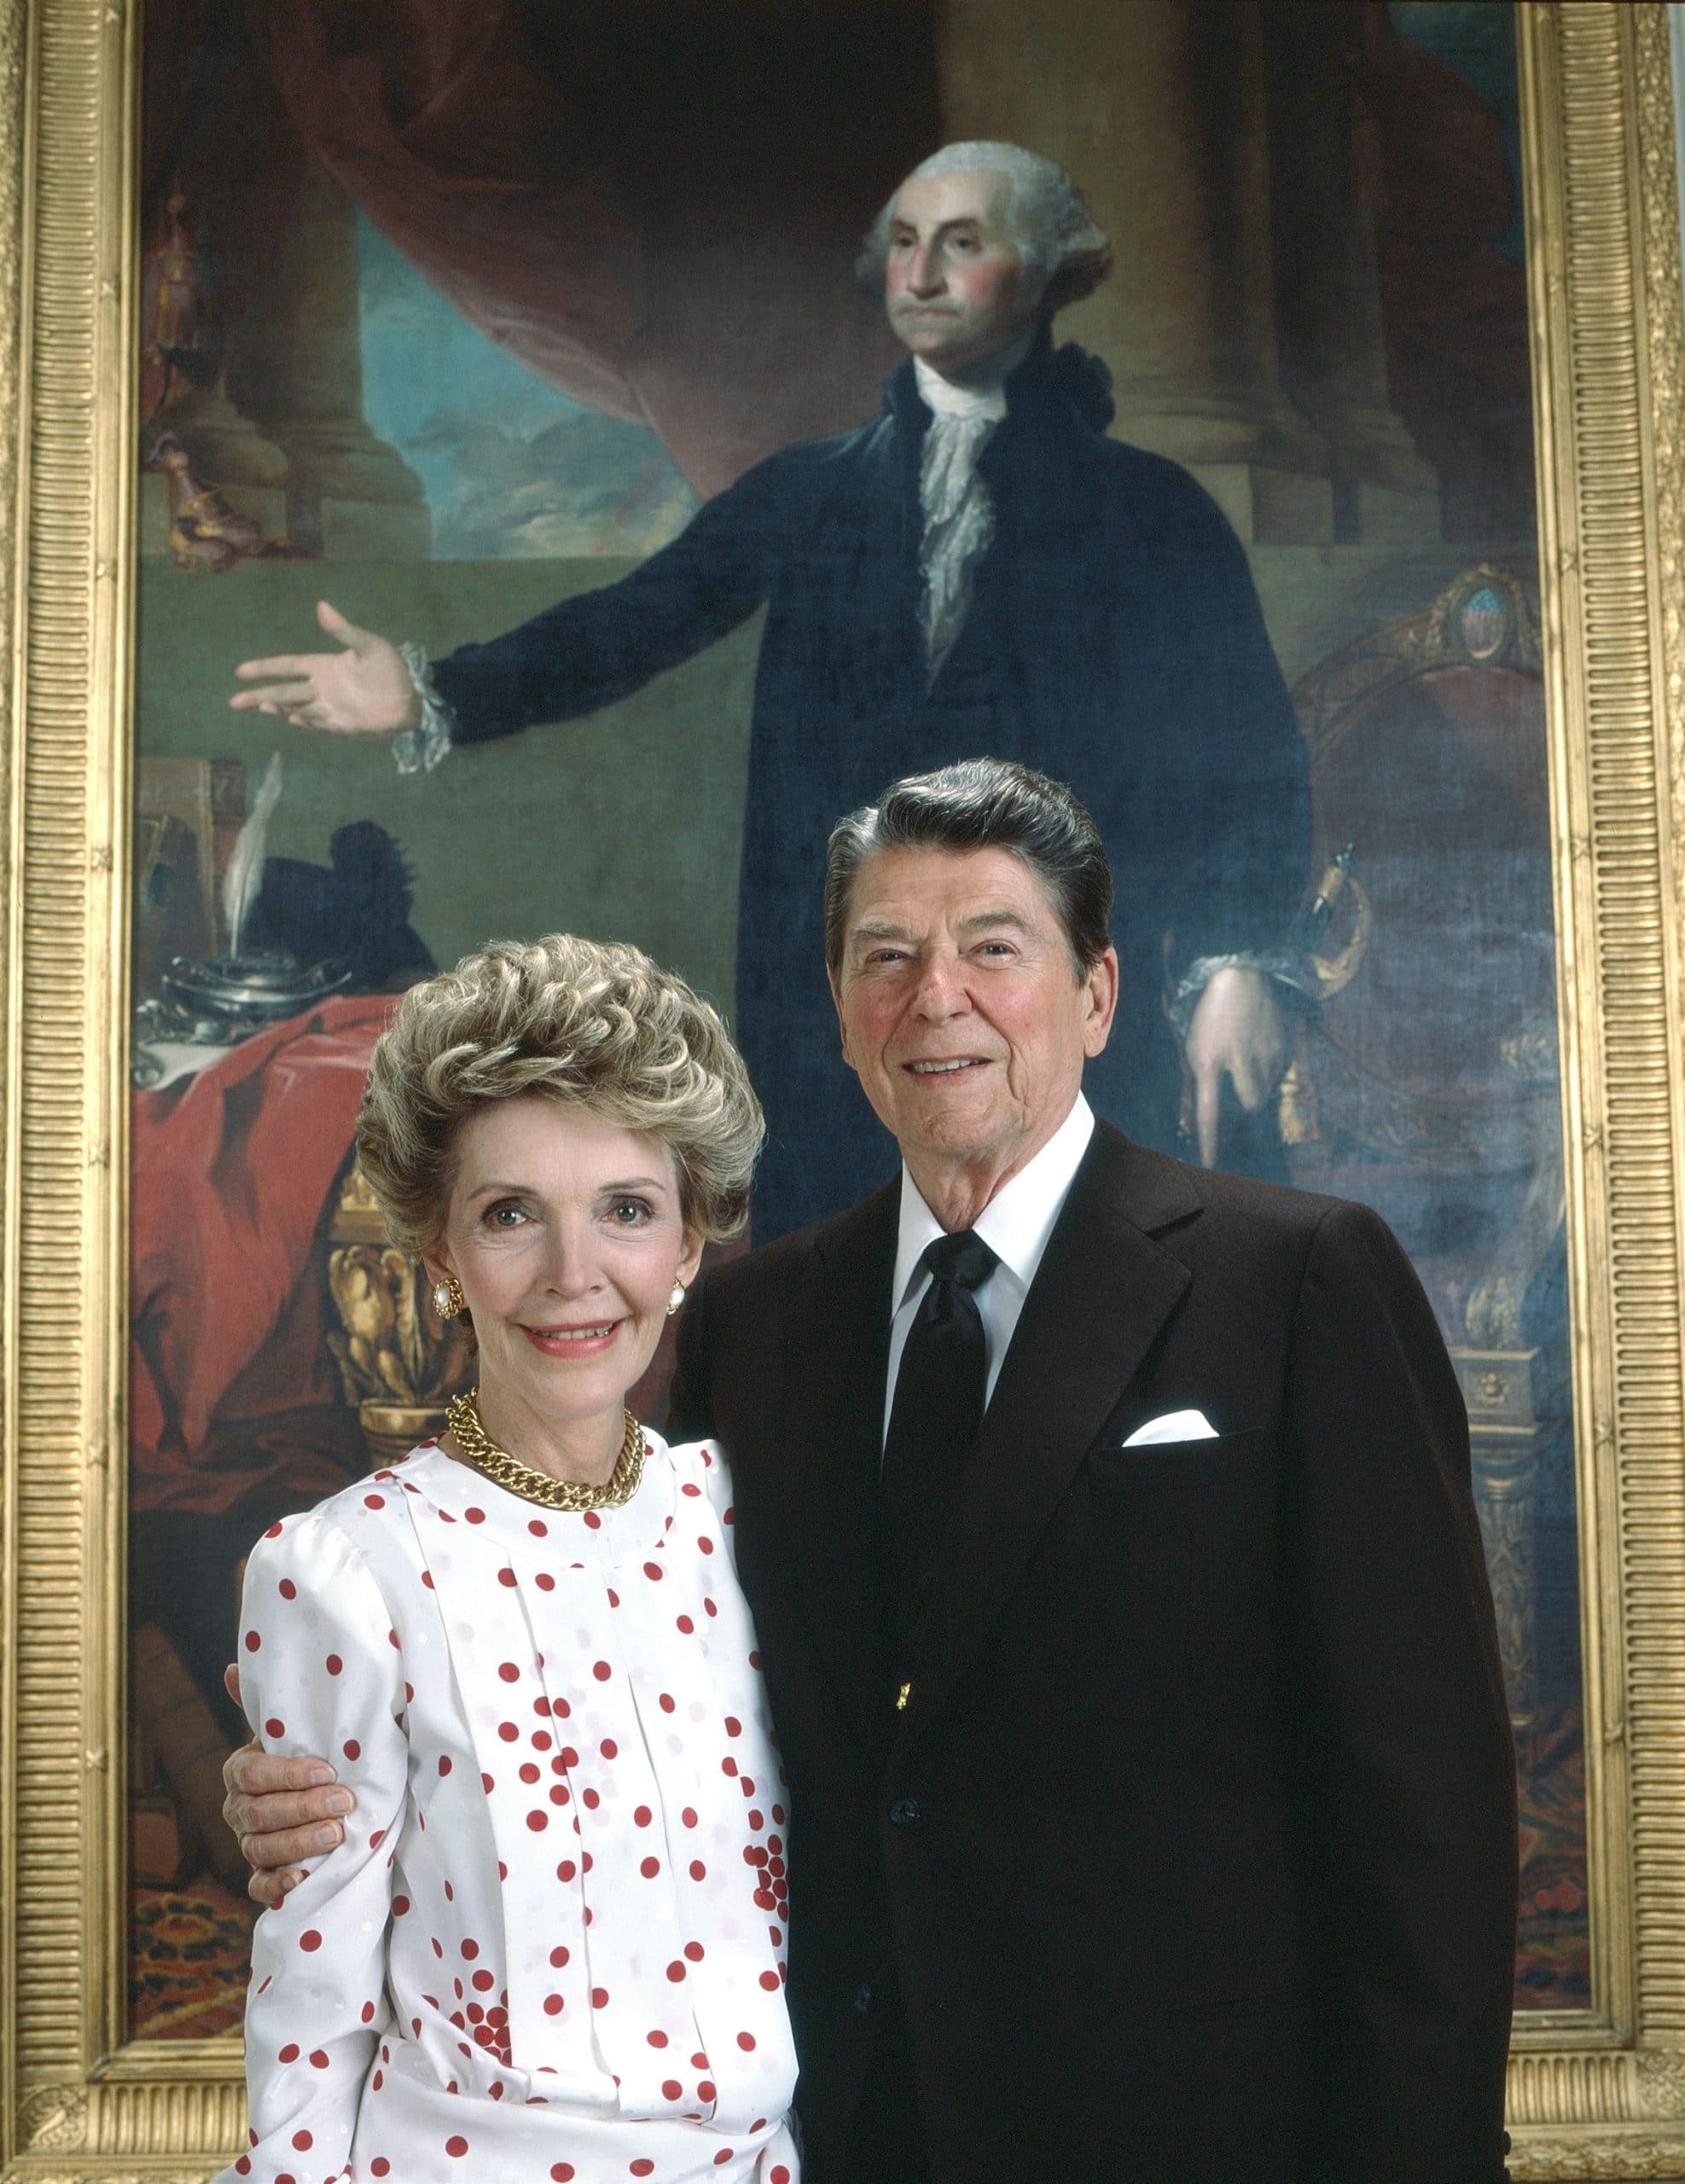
x: 1552, y: 1964
x: 189, y: 1946
x: 188, y: 1950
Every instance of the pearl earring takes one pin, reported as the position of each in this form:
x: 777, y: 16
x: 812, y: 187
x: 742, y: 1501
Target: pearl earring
x: 448, y: 1300
x: 675, y: 1299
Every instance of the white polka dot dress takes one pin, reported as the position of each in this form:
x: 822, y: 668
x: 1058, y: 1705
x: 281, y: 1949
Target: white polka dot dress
x: 552, y: 1945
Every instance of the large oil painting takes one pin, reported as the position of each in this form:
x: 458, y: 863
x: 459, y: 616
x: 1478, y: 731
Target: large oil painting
x: 450, y: 312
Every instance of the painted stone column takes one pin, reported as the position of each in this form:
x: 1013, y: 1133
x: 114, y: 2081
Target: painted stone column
x: 1327, y: 286
x: 295, y: 369
x: 1159, y: 110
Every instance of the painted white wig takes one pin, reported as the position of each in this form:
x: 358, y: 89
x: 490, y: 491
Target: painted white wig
x: 1056, y: 235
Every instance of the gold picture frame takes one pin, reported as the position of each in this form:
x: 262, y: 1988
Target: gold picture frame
x: 1593, y: 2092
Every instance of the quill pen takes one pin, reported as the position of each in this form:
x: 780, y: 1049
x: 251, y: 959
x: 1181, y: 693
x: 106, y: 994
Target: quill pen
x: 244, y: 873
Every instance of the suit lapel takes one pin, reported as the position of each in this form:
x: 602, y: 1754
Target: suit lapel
x: 832, y: 1412
x: 1103, y: 1291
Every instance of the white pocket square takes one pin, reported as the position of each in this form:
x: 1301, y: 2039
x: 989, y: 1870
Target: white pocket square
x: 1174, y: 1425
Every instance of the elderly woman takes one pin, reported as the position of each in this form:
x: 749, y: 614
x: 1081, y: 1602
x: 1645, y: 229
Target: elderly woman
x: 551, y: 1945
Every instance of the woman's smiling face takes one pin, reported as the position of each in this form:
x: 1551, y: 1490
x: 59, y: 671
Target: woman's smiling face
x: 566, y: 1233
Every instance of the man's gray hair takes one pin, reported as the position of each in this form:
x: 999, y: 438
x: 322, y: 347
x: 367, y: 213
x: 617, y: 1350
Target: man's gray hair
x: 982, y: 804
x: 1061, y: 247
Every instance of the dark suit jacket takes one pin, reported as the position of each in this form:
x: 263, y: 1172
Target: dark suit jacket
x: 1114, y: 640
x: 1193, y: 1849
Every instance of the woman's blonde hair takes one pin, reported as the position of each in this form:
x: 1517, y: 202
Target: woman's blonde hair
x: 587, y: 1023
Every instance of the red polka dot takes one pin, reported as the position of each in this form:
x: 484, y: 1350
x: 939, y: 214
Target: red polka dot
x: 652, y: 1570
x: 667, y: 1704
x: 599, y: 1998
x: 642, y: 1816
x: 309, y: 1940
x: 728, y: 1765
x: 688, y: 1815
x: 562, y: 2171
x: 780, y: 2175
x: 456, y: 2146
x: 508, y: 1731
x: 538, y: 1527
x: 643, y: 2169
x: 769, y: 1980
x: 318, y: 2059
x: 471, y: 1949
x: 707, y: 1545
x: 686, y: 1625
x: 650, y: 1867
x: 380, y: 2166
x: 565, y: 1870
x: 274, y: 1726
x: 538, y: 1822
x: 252, y: 1641
x: 274, y: 1531
x: 289, y: 2053
x: 698, y: 1870
x: 445, y: 1763
x: 722, y: 2157
x: 707, y: 2088
x: 593, y: 1522
x: 671, y: 2090
x: 288, y: 1589
x: 693, y: 1951
x: 553, y: 2006
x: 483, y: 1981
x: 400, y: 1904
x: 475, y: 1516
x: 369, y: 2012
x: 656, y: 2039
x: 601, y: 1672
x: 302, y: 2141
x: 506, y: 1575
x: 508, y: 1671
x: 675, y: 1971
x: 589, y: 1798
x: 734, y: 1728
x: 529, y: 1773
x: 334, y: 1664
x: 374, y: 1501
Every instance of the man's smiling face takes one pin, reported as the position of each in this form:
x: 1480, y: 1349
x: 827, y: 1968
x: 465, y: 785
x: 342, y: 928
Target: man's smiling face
x: 962, y: 1014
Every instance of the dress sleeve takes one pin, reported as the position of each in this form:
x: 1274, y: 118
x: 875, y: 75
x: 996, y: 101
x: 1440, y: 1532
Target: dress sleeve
x: 320, y: 1673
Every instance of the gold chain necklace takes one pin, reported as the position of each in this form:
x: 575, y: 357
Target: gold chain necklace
x: 569, y: 1494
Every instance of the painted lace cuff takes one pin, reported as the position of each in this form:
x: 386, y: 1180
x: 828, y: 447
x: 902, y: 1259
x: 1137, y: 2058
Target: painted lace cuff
x: 419, y: 749
x: 1285, y: 966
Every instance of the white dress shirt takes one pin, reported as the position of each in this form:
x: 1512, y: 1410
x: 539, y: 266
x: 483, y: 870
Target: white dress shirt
x: 1015, y: 1224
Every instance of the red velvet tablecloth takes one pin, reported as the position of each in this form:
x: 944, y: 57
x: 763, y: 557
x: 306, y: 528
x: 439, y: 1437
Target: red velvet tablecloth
x: 232, y: 1178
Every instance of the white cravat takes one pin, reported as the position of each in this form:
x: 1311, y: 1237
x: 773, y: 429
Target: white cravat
x: 959, y: 515
x: 1015, y: 1224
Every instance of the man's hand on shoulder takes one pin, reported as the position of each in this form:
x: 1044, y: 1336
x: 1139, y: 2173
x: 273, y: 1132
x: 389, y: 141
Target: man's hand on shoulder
x: 282, y: 1811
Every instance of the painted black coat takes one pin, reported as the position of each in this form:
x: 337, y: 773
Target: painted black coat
x: 1114, y: 640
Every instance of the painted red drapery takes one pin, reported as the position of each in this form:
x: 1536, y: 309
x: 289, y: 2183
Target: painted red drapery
x: 655, y: 207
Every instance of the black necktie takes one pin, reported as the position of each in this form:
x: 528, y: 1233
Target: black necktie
x: 938, y: 1409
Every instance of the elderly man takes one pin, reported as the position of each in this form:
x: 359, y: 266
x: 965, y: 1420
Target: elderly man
x: 1107, y: 1529
x: 980, y: 568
